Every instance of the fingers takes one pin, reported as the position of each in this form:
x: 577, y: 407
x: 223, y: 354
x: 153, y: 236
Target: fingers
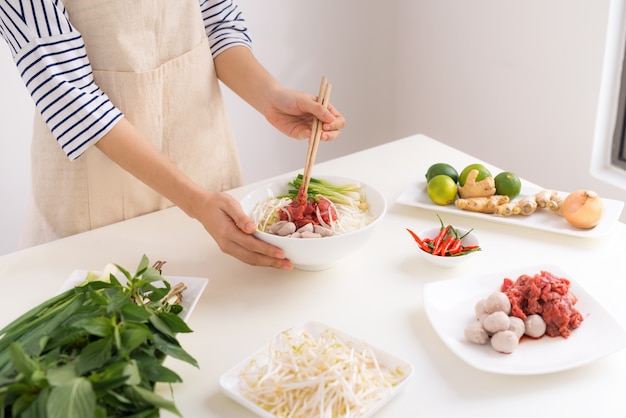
x: 243, y: 222
x: 232, y: 230
x: 255, y: 252
x: 332, y: 120
x: 332, y: 125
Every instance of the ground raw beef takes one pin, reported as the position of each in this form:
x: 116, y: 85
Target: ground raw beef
x: 547, y: 295
x: 317, y: 211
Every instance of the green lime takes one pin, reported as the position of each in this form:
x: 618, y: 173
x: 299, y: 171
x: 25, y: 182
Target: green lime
x: 483, y: 173
x: 442, y: 168
x: 442, y: 189
x: 508, y: 184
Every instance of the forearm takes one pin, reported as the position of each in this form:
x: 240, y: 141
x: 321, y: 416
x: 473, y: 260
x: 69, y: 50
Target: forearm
x: 240, y: 71
x: 129, y: 149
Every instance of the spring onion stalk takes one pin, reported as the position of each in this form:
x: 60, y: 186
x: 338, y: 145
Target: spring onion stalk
x: 348, y: 194
x: 306, y: 376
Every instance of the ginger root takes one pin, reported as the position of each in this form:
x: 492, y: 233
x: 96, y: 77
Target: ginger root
x: 508, y: 209
x: 555, y: 204
x: 484, y: 188
x: 527, y: 205
x: 484, y: 204
x: 543, y: 197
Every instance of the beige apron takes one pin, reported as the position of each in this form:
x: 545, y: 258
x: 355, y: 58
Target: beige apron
x: 152, y: 59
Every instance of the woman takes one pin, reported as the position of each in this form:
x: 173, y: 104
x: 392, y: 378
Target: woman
x: 130, y: 117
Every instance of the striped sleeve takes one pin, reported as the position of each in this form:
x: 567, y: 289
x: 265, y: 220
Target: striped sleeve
x: 52, y: 61
x: 224, y: 25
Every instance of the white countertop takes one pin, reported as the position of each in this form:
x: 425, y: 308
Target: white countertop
x: 375, y: 295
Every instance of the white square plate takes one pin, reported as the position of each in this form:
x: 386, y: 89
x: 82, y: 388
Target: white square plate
x: 230, y: 381
x: 195, y: 287
x: 415, y: 195
x: 450, y: 305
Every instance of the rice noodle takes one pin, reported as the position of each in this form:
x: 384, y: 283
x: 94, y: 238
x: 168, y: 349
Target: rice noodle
x: 317, y: 377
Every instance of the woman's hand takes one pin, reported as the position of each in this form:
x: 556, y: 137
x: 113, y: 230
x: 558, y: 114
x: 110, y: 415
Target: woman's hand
x: 291, y: 112
x: 222, y: 217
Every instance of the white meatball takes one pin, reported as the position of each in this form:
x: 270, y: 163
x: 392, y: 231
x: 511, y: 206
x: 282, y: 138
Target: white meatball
x: 475, y: 333
x: 517, y: 326
x: 535, y: 326
x: 276, y: 227
x: 305, y: 228
x: 504, y: 341
x: 283, y: 228
x: 498, y: 301
x: 479, y: 308
x: 323, y: 231
x: 497, y: 321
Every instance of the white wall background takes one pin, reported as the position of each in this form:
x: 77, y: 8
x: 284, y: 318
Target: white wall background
x: 16, y: 112
x: 514, y: 83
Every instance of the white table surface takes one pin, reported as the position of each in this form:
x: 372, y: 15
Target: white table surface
x: 376, y: 295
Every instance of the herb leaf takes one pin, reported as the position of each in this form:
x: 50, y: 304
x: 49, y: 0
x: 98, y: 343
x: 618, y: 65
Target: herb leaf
x: 74, y: 399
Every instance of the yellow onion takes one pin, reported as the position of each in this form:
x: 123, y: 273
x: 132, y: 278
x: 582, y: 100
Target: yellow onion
x: 582, y: 209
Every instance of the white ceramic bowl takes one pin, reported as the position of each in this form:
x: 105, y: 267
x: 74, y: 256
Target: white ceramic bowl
x: 316, y: 254
x: 448, y: 261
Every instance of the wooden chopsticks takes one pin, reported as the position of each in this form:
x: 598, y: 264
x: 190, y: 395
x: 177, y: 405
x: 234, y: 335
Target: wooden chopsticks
x: 316, y: 132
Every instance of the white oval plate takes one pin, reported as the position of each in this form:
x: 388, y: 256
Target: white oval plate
x: 450, y: 305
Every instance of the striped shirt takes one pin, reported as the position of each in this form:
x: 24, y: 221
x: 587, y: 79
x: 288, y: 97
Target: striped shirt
x: 52, y: 61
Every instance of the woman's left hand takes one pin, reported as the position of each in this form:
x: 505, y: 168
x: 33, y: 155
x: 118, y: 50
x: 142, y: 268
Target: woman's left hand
x: 291, y: 112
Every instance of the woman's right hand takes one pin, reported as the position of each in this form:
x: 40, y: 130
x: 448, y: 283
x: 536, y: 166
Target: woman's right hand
x: 224, y: 219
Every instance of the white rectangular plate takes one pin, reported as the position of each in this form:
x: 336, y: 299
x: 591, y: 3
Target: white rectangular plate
x: 450, y: 306
x: 195, y: 287
x: 415, y: 195
x: 230, y: 381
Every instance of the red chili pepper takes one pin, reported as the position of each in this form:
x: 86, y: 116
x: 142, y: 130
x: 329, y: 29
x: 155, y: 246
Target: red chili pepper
x: 467, y: 250
x: 456, y: 246
x: 419, y: 241
x: 439, y: 238
x: 437, y: 247
x: 447, y: 242
x: 446, y: 245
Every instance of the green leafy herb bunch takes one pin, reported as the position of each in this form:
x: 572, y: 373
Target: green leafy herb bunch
x: 96, y: 350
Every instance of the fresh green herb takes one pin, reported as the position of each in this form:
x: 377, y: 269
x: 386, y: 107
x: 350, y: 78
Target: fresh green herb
x: 96, y: 350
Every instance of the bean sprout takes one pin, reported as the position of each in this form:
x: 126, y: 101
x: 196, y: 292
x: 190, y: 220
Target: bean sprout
x: 317, y: 377
x: 350, y: 217
x: 266, y: 212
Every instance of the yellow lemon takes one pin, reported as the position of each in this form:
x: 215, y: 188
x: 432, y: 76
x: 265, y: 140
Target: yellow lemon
x: 442, y: 190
